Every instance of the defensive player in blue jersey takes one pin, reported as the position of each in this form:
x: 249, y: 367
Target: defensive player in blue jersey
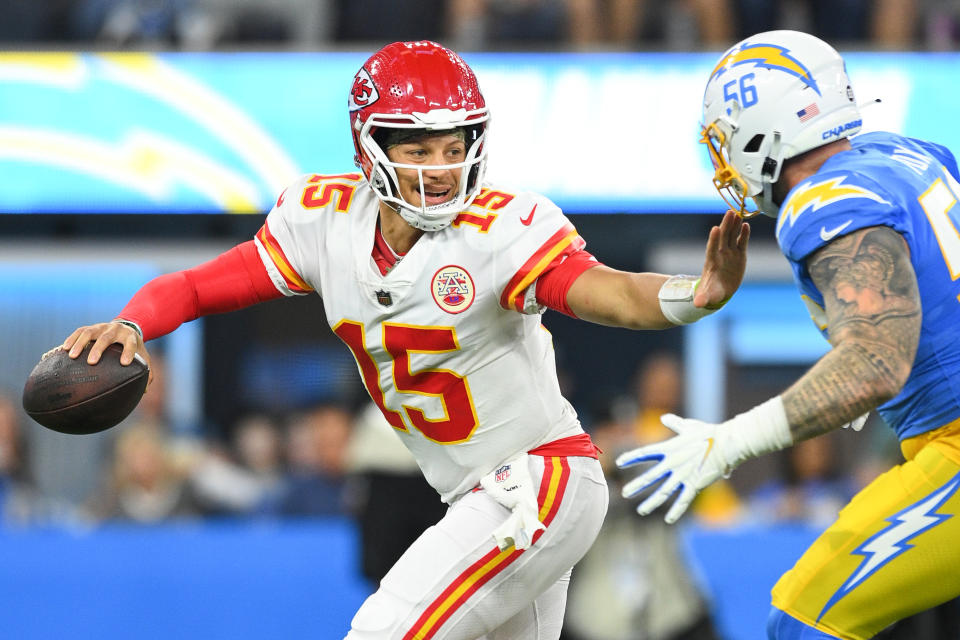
x: 871, y: 227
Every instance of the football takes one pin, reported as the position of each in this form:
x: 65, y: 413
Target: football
x: 71, y: 396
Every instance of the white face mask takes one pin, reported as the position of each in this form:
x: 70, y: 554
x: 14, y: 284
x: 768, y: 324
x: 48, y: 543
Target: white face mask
x: 383, y: 176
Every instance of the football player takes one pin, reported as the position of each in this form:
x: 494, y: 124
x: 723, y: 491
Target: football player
x: 869, y: 225
x: 436, y: 281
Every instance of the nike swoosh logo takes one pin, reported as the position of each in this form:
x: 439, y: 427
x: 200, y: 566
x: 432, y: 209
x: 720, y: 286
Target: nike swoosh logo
x: 827, y: 236
x: 526, y: 221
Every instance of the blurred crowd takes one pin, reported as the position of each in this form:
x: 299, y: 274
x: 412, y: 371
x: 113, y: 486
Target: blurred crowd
x: 475, y: 24
x: 147, y: 473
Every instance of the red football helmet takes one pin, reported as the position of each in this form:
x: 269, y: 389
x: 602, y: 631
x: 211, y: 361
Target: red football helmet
x: 418, y: 85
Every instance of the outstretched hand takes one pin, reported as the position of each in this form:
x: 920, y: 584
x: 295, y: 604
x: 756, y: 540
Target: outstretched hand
x: 701, y: 452
x: 685, y: 463
x: 725, y: 263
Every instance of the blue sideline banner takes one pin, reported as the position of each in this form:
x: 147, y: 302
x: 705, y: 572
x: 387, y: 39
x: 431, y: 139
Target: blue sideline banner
x: 226, y: 132
x: 295, y: 580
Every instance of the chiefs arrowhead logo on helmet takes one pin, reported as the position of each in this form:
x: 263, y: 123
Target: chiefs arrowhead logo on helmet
x: 364, y: 92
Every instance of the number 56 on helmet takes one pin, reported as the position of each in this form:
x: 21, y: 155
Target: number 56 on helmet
x: 771, y: 97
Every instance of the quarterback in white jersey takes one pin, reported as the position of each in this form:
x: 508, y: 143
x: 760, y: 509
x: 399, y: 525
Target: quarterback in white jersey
x: 440, y: 344
x: 436, y: 282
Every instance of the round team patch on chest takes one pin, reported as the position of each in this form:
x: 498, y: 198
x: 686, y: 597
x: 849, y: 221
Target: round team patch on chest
x: 452, y: 289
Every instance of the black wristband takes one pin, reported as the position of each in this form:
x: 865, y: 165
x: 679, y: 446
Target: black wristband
x: 132, y: 325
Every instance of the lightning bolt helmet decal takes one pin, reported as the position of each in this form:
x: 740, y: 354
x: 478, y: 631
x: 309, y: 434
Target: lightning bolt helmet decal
x: 766, y: 56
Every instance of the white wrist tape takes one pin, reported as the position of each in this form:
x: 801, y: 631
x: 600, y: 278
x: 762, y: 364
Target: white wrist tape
x: 760, y: 430
x: 676, y: 300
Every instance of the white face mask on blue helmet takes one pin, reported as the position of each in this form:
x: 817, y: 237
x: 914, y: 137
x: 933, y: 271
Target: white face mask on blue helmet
x: 771, y: 97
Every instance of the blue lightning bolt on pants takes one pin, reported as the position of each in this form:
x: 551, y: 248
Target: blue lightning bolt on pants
x: 891, y: 553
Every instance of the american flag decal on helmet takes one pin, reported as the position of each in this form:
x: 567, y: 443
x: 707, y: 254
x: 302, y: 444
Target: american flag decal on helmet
x: 808, y: 112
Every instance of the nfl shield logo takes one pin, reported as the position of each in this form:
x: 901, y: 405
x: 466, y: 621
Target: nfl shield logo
x: 501, y: 474
x: 384, y: 298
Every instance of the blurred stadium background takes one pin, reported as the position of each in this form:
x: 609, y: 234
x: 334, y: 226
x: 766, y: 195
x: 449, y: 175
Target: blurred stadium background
x: 249, y: 495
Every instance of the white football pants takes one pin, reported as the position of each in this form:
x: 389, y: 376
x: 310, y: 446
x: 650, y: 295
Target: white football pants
x: 453, y: 583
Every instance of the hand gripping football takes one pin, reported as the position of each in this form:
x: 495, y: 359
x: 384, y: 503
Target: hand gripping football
x: 70, y: 396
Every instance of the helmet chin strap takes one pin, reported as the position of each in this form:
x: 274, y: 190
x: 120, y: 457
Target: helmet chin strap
x: 769, y: 174
x: 765, y: 203
x: 415, y: 216
x: 416, y: 221
x: 381, y: 181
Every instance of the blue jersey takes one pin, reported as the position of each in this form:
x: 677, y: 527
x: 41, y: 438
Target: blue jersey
x: 912, y: 187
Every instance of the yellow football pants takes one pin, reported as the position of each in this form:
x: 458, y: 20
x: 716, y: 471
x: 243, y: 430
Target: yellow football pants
x: 893, y: 551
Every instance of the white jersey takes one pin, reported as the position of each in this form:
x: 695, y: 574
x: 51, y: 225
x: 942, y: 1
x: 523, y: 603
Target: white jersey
x: 449, y: 342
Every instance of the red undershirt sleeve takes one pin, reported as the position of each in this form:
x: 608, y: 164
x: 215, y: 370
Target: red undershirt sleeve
x: 233, y: 280
x: 552, y: 285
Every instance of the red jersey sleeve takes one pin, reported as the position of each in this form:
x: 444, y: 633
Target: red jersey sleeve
x: 553, y: 284
x: 233, y: 280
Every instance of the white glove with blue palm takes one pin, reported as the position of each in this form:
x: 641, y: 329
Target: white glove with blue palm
x: 701, y: 452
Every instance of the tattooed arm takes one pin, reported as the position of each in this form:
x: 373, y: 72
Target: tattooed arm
x: 873, y: 313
